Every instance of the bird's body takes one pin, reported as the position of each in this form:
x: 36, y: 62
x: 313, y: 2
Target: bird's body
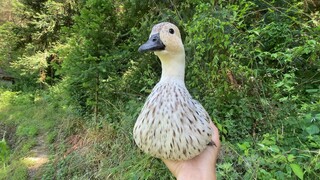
x: 171, y: 124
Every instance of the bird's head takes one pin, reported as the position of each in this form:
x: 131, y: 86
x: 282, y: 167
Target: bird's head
x: 164, y: 40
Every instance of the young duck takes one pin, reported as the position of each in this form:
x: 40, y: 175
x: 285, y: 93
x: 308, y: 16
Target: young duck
x: 171, y: 124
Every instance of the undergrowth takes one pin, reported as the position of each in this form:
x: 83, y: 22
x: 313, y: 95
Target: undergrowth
x: 254, y: 65
x: 102, y: 151
x: 84, y: 150
x: 24, y: 117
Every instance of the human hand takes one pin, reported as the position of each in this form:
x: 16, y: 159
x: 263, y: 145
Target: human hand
x: 202, y: 166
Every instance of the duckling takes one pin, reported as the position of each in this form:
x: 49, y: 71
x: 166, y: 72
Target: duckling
x: 171, y: 125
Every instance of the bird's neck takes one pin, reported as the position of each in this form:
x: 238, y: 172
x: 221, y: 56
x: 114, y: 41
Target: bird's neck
x: 173, y: 67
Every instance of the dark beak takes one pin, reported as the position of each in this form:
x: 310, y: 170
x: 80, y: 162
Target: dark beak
x: 153, y: 44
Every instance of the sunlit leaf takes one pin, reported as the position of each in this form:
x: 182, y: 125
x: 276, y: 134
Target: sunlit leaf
x: 297, y: 170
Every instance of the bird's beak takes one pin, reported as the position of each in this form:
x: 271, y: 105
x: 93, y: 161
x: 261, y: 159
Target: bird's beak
x: 153, y: 44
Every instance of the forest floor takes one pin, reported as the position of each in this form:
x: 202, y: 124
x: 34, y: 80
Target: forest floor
x: 38, y: 157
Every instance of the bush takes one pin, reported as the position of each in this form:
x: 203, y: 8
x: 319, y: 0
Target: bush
x: 254, y: 65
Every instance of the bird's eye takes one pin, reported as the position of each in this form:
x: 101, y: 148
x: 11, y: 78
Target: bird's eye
x: 171, y: 31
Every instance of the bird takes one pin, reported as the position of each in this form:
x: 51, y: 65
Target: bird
x: 171, y: 124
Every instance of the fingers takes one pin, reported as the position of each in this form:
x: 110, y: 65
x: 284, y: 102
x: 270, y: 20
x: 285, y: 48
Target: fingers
x: 215, y: 135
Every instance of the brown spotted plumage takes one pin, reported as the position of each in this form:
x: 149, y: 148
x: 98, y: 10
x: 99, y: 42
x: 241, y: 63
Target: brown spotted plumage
x: 171, y: 124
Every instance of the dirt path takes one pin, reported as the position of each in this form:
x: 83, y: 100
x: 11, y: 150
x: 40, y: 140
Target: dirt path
x: 38, y: 157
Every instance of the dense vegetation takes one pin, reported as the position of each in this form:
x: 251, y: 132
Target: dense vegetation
x: 80, y: 83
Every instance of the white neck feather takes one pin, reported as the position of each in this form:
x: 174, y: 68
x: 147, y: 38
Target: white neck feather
x: 173, y: 67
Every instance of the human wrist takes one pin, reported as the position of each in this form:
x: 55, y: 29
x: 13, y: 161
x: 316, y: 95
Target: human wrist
x: 199, y: 174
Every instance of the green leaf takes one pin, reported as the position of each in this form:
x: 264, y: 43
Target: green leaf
x: 291, y: 157
x: 313, y: 129
x: 297, y: 170
x: 244, y: 145
x: 274, y: 148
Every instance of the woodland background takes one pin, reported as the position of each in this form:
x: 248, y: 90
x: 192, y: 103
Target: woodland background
x: 79, y: 84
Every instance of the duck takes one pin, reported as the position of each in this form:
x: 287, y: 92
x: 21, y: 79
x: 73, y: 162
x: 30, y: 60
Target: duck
x: 171, y: 124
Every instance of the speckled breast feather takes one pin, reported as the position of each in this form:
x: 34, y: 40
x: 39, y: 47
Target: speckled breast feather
x: 171, y: 124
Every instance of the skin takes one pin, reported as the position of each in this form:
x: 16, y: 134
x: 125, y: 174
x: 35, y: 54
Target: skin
x: 202, y: 167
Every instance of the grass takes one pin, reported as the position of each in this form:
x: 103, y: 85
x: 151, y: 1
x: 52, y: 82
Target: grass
x: 16, y: 170
x: 82, y: 148
x: 102, y: 151
x: 79, y: 148
x: 31, y: 115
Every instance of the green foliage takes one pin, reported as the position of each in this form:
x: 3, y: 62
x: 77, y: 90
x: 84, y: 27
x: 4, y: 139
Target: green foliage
x: 88, y: 61
x: 23, y: 130
x: 107, y: 151
x: 26, y: 42
x: 17, y: 170
x: 297, y: 170
x: 32, y: 115
x: 254, y: 65
x: 254, y: 74
x: 4, y: 152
